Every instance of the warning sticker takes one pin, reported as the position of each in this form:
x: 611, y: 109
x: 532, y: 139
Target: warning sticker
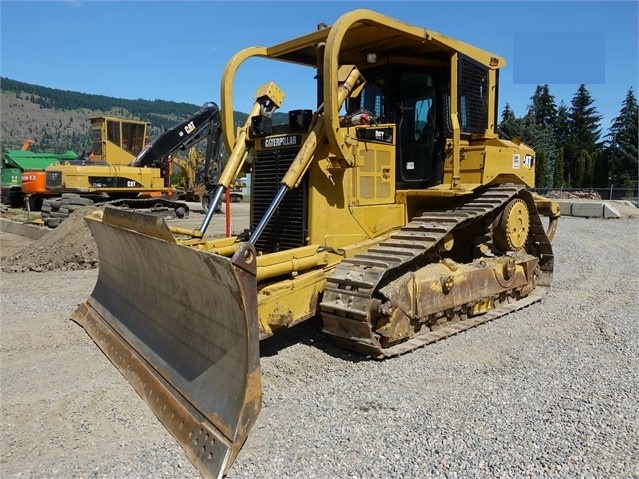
x: 516, y: 161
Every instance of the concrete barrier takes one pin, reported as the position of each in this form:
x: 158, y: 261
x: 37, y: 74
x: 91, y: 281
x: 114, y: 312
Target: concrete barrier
x: 588, y: 209
x: 565, y: 207
x: 23, y: 229
x: 610, y: 211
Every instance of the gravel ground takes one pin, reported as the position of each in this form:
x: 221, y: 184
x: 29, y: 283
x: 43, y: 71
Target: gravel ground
x: 549, y: 391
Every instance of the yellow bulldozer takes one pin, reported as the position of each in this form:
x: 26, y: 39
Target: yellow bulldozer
x: 392, y: 209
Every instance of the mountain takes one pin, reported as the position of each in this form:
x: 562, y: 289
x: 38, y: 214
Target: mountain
x: 58, y: 120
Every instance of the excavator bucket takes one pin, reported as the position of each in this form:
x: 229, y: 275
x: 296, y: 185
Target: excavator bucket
x: 181, y: 326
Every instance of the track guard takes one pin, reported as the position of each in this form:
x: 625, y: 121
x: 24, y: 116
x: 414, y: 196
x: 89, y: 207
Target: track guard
x: 181, y: 326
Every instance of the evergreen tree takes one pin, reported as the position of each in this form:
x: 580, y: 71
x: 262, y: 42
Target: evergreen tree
x: 622, y: 150
x: 543, y: 107
x: 562, y: 124
x: 558, y: 171
x: 562, y: 135
x: 523, y: 128
x: 540, y: 136
x: 508, y: 114
x: 541, y: 169
x: 509, y: 125
x: 579, y: 172
x: 600, y: 169
x: 541, y: 119
x: 584, y: 136
x: 590, y: 166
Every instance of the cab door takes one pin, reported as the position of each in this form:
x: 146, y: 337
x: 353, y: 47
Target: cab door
x: 419, y: 124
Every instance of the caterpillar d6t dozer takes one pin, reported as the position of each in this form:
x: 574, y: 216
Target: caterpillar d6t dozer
x: 392, y: 209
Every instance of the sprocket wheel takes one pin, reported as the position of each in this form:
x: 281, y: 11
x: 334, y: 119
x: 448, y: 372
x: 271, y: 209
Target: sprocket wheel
x: 511, y: 228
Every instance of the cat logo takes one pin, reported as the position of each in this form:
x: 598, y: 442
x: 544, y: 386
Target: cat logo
x: 189, y: 128
x: 529, y: 161
x: 282, y: 141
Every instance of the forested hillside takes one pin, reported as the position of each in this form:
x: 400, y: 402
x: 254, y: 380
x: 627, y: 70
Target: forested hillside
x: 572, y: 148
x: 58, y: 120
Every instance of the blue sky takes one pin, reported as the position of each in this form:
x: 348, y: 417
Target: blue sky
x: 177, y: 51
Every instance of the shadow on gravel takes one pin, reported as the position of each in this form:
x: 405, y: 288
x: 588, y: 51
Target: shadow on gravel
x: 310, y: 333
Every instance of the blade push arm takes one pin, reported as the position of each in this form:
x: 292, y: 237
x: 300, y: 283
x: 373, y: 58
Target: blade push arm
x: 267, y: 99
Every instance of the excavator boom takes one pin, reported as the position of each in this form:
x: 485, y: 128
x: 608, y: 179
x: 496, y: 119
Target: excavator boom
x: 205, y: 123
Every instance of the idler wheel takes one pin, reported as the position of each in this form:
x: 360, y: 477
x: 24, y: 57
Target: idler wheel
x: 511, y: 228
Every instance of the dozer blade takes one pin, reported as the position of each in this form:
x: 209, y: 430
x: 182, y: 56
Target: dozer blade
x: 181, y: 326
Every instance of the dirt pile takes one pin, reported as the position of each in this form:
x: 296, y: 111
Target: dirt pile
x: 70, y: 246
x: 572, y: 195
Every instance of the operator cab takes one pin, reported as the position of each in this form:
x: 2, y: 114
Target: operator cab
x: 417, y: 99
x: 413, y: 99
x: 117, y: 141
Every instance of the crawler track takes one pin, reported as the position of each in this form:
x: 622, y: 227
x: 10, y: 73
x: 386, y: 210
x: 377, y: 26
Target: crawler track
x: 350, y: 294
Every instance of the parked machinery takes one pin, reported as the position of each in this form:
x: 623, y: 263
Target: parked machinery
x: 112, y: 173
x: 403, y: 221
x: 23, y: 174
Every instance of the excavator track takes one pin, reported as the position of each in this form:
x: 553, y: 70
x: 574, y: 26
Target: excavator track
x: 351, y: 295
x: 155, y: 206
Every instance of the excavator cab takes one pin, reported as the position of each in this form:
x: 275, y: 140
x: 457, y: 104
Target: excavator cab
x: 117, y: 141
x: 391, y: 208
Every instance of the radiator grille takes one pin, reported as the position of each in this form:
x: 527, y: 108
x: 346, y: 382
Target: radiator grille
x: 287, y: 228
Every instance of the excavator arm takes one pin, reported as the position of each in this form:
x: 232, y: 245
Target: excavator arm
x: 205, y: 123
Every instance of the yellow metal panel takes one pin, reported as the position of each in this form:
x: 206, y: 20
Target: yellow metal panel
x: 471, y: 165
x: 374, y: 180
x: 369, y: 191
x: 289, y: 302
x: 452, y: 148
x: 369, y: 161
x: 76, y: 178
x: 383, y: 188
x: 493, y: 161
x: 492, y: 98
x: 366, y: 188
x: 331, y: 223
x: 509, y: 162
x: 364, y: 27
x: 344, y: 240
x: 113, y: 153
x: 377, y: 220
